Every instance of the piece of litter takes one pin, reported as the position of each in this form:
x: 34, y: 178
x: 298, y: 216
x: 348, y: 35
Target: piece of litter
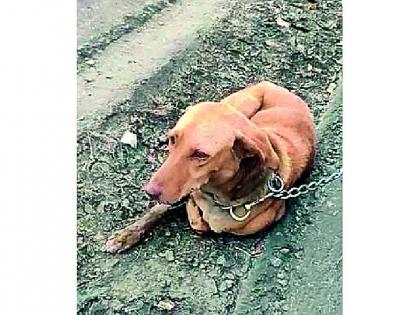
x: 281, y: 22
x: 129, y: 138
x: 166, y: 305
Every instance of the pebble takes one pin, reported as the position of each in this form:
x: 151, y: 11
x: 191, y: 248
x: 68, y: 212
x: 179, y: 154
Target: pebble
x: 90, y: 62
x: 166, y: 305
x: 276, y: 262
x: 281, y: 275
x: 169, y: 255
x: 331, y: 88
x: 284, y: 250
x: 282, y: 282
x: 129, y: 138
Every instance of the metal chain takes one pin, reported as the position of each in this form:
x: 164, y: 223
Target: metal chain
x: 306, y: 188
x: 275, y: 186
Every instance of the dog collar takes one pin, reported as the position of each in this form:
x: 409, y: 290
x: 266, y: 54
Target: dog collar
x: 275, y: 185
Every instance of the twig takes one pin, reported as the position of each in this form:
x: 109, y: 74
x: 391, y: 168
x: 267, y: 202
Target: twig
x: 244, y: 251
x: 90, y: 146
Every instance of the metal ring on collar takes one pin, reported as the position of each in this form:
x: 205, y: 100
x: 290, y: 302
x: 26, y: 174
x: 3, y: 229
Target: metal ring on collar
x: 276, y: 183
x: 235, y: 217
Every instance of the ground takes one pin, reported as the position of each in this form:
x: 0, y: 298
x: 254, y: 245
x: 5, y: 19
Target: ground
x: 139, y: 65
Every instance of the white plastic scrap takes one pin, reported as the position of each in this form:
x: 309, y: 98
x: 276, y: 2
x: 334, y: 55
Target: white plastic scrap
x: 129, y: 138
x: 281, y: 22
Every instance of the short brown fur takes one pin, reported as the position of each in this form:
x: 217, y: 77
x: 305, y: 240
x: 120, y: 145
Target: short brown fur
x: 260, y: 128
x: 227, y: 149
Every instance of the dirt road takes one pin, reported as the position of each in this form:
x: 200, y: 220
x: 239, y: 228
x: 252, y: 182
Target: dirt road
x: 136, y: 55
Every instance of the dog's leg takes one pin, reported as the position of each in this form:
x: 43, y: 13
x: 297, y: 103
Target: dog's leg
x: 195, y: 217
x: 262, y: 221
x: 125, y: 238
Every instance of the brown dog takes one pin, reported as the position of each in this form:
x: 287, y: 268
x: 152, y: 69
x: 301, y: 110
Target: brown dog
x: 222, y: 153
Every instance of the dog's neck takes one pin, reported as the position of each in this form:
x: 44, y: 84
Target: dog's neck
x: 248, y: 183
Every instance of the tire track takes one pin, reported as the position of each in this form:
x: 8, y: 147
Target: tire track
x: 137, y: 55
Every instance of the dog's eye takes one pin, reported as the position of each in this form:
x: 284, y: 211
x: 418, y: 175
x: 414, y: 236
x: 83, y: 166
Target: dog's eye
x: 172, y: 139
x: 199, y: 154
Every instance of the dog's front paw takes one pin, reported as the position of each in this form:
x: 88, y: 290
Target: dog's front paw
x: 122, y: 240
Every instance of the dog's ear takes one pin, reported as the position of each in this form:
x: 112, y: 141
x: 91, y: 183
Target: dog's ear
x: 257, y: 147
x: 244, y: 147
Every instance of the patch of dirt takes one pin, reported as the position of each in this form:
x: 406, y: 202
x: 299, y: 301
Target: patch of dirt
x: 96, y: 17
x: 136, y: 55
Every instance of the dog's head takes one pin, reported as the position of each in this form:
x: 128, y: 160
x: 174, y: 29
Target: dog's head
x: 207, y: 145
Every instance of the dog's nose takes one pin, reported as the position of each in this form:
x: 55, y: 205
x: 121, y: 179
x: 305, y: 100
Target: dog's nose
x: 153, y: 190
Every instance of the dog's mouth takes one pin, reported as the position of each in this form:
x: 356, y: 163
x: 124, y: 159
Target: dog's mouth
x: 180, y: 202
x: 174, y: 204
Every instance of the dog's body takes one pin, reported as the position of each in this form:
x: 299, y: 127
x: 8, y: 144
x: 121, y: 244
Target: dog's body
x: 266, y: 128
x: 226, y: 151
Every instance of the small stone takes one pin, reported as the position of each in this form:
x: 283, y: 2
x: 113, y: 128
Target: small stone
x: 169, y: 255
x: 166, y: 305
x: 300, y: 48
x: 284, y: 250
x: 282, y: 282
x: 108, y: 76
x: 312, y: 6
x: 276, y: 262
x: 167, y: 233
x: 331, y: 88
x: 90, y: 62
x: 281, y: 275
x: 129, y: 138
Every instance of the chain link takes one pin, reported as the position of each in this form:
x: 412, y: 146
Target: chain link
x: 275, y: 192
x: 305, y: 188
